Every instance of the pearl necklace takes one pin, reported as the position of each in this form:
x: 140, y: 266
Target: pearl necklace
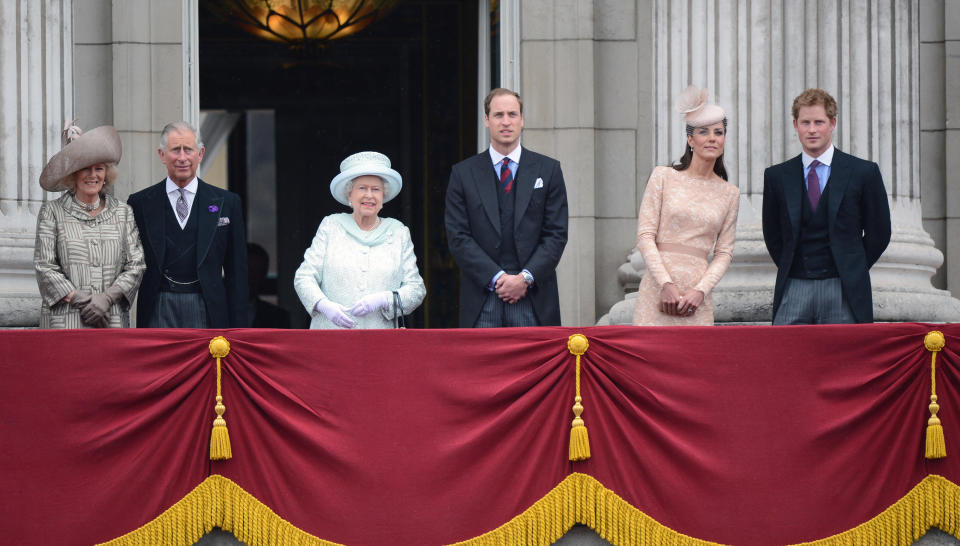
x: 371, y: 228
x: 88, y: 207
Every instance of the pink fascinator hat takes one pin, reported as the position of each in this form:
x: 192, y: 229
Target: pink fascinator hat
x: 697, y: 112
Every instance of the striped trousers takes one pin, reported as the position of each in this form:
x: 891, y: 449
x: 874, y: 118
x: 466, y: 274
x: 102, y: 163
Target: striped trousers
x: 813, y: 301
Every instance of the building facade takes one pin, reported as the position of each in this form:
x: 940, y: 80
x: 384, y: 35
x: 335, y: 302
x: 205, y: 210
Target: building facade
x: 598, y: 79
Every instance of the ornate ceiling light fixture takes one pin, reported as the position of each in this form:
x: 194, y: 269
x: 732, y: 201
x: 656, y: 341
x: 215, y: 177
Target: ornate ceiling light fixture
x: 301, y: 23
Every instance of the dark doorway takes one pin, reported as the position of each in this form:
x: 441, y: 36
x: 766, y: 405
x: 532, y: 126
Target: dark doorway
x: 404, y: 86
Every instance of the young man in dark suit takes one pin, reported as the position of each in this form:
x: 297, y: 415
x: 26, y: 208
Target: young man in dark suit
x: 826, y: 221
x: 506, y: 221
x: 194, y: 243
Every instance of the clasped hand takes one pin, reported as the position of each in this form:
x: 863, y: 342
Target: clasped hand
x: 679, y: 305
x: 341, y: 315
x: 511, y: 288
x: 94, y: 308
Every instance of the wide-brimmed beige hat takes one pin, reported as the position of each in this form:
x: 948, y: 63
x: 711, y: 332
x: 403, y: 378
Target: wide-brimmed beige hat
x: 100, y: 145
x: 697, y: 111
x: 366, y: 163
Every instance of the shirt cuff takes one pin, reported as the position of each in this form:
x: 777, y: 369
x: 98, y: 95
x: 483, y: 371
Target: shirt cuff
x: 493, y: 282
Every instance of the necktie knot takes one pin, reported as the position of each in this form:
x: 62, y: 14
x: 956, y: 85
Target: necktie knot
x: 506, y: 176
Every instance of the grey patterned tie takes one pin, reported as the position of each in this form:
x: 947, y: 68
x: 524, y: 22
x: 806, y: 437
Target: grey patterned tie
x: 182, y: 205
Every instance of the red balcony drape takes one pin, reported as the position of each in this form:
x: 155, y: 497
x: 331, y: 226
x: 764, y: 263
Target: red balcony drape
x: 741, y: 435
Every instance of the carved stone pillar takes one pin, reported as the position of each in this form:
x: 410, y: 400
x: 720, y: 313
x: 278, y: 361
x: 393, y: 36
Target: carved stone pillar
x: 755, y: 56
x: 36, y: 96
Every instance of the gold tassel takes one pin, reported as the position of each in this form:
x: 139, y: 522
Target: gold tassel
x: 219, y: 437
x: 936, y: 444
x: 579, y: 439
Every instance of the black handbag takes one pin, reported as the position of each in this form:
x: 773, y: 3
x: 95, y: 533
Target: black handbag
x: 398, y: 311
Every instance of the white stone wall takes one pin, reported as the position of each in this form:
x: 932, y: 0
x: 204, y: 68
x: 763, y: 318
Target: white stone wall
x: 557, y: 67
x: 35, y: 99
x: 131, y: 72
x: 940, y: 133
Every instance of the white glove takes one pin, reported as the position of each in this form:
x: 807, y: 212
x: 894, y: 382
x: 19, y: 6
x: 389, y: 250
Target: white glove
x: 335, y: 312
x: 371, y: 302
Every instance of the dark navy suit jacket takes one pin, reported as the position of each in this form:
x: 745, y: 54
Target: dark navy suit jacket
x: 221, y: 252
x: 472, y: 219
x: 858, y: 222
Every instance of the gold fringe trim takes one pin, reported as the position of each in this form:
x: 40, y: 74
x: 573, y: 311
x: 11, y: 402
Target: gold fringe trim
x: 934, y: 502
x: 577, y: 344
x: 218, y: 502
x: 579, y: 498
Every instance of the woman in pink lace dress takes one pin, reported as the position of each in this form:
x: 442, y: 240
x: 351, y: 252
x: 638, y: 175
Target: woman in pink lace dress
x: 688, y: 211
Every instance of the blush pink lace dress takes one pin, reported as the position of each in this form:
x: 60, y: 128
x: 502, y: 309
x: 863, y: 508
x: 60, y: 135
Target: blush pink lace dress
x: 682, y: 219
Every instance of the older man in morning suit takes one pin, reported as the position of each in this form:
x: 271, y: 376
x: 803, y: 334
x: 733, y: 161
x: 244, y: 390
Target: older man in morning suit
x: 194, y: 242
x: 506, y: 221
x: 826, y: 221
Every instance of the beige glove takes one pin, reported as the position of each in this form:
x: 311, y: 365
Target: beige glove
x: 96, y: 312
x: 80, y: 299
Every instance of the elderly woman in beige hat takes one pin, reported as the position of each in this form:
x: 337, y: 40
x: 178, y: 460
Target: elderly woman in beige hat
x: 360, y: 270
x: 688, y: 211
x: 88, y: 257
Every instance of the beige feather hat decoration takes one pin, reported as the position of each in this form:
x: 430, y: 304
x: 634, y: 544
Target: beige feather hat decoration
x: 696, y: 110
x: 100, y: 145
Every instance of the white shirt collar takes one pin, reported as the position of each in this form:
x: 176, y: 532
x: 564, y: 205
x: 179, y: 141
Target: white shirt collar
x: 826, y: 157
x: 191, y: 187
x: 498, y: 157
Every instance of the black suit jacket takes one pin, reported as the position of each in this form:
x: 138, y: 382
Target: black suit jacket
x: 858, y: 222
x: 472, y: 220
x: 221, y: 252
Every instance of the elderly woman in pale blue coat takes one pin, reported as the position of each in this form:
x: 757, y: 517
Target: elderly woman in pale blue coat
x: 359, y: 264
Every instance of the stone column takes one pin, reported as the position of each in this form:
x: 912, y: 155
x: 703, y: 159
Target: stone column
x: 755, y: 56
x: 940, y: 131
x: 556, y: 77
x: 36, y: 96
x: 153, y: 60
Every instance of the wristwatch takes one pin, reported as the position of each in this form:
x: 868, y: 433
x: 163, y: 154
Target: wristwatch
x: 527, y: 277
